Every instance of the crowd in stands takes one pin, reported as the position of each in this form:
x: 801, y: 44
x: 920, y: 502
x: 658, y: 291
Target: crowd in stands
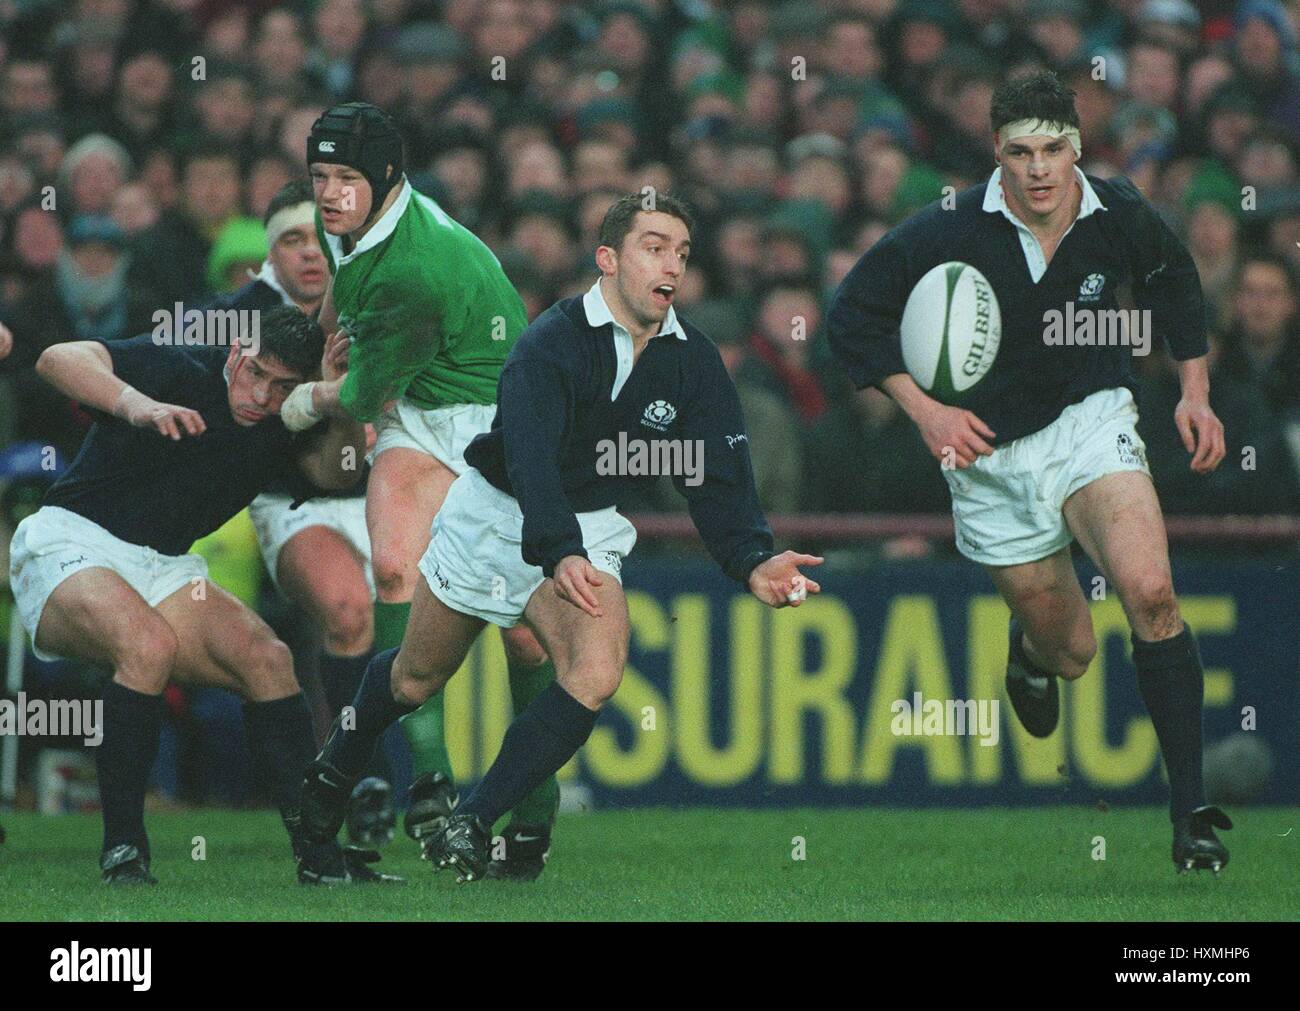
x: 140, y: 141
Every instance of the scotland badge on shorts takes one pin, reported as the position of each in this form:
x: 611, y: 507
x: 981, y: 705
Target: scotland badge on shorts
x: 1130, y: 452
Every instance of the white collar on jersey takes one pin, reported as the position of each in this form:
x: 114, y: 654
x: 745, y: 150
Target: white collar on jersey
x: 379, y: 231
x: 598, y: 314
x: 995, y: 200
x: 267, y: 276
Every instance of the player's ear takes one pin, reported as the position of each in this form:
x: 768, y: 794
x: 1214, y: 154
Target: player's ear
x: 606, y: 260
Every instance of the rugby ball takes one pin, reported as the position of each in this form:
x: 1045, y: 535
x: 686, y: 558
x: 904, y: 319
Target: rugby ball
x: 951, y: 330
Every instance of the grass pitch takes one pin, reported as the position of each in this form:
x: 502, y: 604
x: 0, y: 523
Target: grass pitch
x: 656, y: 864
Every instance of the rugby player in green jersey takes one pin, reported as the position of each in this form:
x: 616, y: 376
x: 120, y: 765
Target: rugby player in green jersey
x: 431, y: 317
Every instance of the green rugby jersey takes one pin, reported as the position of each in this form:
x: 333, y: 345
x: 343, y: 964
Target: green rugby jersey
x: 430, y: 312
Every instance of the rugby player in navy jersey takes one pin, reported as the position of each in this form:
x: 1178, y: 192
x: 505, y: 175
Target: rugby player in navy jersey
x: 532, y: 532
x: 1045, y: 451
x: 318, y: 551
x: 184, y: 438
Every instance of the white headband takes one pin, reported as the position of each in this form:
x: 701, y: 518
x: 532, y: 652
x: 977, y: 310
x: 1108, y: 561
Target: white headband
x: 293, y: 216
x: 1037, y: 127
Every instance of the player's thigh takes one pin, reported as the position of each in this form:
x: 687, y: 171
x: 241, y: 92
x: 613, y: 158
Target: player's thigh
x: 1045, y: 596
x: 522, y: 646
x: 435, y: 644
x: 589, y: 653
x: 1118, y: 522
x: 405, y: 492
x: 95, y: 616
x: 225, y: 644
x: 320, y: 571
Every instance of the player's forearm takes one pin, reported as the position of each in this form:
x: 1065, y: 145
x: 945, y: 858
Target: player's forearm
x: 1194, y: 377
x: 913, y: 400
x: 325, y: 400
x: 327, y: 316
x: 83, y: 370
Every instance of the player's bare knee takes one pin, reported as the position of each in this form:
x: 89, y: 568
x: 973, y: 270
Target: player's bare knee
x: 268, y: 669
x: 146, y: 661
x: 1153, y: 607
x: 593, y: 680
x: 349, y: 625
x: 1076, y: 658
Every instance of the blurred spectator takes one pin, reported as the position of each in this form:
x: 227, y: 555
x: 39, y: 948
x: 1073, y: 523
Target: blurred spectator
x: 1265, y: 50
x: 92, y: 172
x: 237, y: 254
x: 1257, y: 475
x: 170, y: 260
x: 1263, y: 349
x: 785, y: 332
x: 91, y: 275
x: 865, y: 455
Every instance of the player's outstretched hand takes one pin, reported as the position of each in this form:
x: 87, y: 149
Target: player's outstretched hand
x: 170, y: 420
x: 954, y: 435
x: 573, y: 580
x: 1202, y: 433
x: 778, y: 581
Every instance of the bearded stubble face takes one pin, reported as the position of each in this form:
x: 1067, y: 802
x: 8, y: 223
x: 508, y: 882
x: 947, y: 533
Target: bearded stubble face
x: 1037, y: 176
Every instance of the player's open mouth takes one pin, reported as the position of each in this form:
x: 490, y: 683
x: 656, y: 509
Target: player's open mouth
x: 664, y: 294
x: 249, y: 415
x: 1040, y: 191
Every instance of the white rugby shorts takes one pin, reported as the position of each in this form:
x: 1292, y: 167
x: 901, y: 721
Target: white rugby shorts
x: 275, y: 524
x: 474, y: 563
x: 442, y: 433
x: 1007, y: 507
x: 53, y: 544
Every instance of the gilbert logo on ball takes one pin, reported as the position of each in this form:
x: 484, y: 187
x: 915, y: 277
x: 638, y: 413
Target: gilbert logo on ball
x: 951, y: 330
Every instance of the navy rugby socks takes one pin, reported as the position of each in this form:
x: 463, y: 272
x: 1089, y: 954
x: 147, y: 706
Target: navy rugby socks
x: 540, y: 740
x: 340, y: 677
x: 350, y: 748
x: 282, y: 744
x: 132, y: 724
x: 1172, y: 684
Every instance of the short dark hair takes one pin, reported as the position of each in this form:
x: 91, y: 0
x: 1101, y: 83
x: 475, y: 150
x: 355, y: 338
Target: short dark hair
x: 296, y: 191
x: 618, y: 219
x: 292, y: 338
x: 1039, y: 95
